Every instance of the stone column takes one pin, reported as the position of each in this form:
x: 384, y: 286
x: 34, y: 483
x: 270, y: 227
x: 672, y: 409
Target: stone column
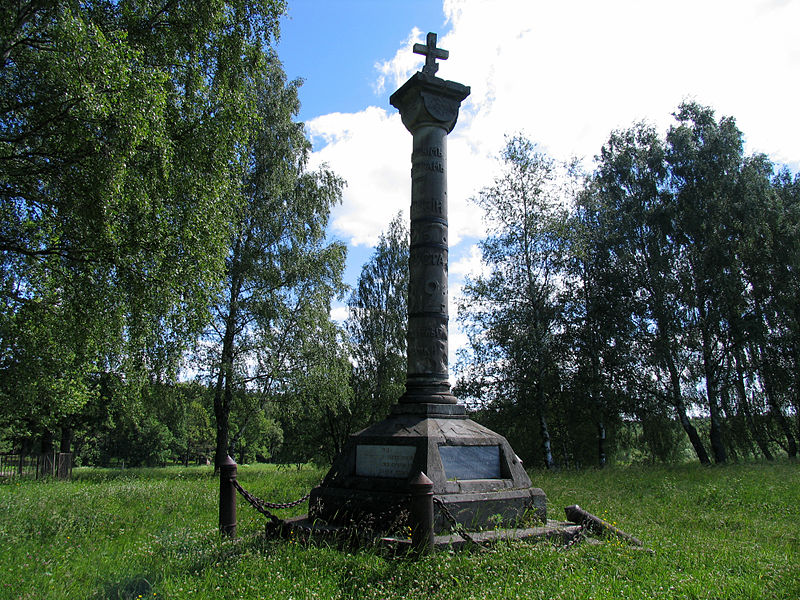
x: 429, y: 109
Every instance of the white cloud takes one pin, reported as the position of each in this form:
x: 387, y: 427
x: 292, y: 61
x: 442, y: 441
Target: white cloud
x: 468, y: 264
x: 340, y: 313
x: 370, y: 150
x: 566, y: 74
x: 397, y: 69
x: 456, y: 338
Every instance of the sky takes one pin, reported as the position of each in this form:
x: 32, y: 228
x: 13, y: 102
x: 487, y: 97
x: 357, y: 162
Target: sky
x: 563, y: 73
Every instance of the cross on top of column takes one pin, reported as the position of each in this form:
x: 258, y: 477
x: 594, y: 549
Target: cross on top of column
x: 431, y: 53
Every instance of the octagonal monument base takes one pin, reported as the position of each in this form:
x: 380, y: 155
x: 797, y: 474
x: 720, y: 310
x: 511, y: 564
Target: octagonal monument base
x: 475, y: 473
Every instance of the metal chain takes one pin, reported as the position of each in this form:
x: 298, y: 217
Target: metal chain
x: 273, y: 505
x: 256, y: 503
x: 262, y: 506
x: 278, y: 505
x: 457, y: 527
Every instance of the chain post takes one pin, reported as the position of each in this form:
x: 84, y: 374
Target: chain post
x: 422, y: 539
x: 227, y: 497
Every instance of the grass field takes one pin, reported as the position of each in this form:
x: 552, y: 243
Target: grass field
x: 721, y: 532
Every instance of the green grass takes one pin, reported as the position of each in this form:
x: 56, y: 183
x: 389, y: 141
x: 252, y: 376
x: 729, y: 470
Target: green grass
x: 722, y: 532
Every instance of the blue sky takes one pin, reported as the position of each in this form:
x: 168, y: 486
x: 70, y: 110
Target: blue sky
x: 334, y: 45
x: 565, y: 73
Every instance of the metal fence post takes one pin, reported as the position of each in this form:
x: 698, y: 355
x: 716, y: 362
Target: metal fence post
x: 227, y: 497
x: 421, y: 513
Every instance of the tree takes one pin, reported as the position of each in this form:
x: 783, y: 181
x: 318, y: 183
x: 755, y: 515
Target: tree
x: 599, y: 331
x: 512, y: 314
x: 377, y: 325
x: 704, y: 158
x: 278, y: 270
x: 784, y: 277
x: 318, y: 409
x: 764, y: 331
x: 120, y: 129
x: 630, y: 196
x: 691, y: 221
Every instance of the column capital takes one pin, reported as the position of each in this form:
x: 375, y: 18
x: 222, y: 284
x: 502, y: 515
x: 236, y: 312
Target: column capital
x: 427, y: 100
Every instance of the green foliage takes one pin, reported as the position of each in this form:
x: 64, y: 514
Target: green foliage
x: 153, y: 177
x: 512, y: 313
x: 377, y: 325
x: 280, y: 274
x: 715, y: 533
x: 657, y: 289
x: 351, y: 377
x: 318, y: 410
x: 689, y: 210
x: 120, y: 129
x: 262, y: 439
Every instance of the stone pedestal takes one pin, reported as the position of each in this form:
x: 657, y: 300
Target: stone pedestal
x: 475, y: 473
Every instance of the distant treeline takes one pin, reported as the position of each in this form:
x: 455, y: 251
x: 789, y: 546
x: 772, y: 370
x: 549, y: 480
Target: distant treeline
x: 647, y: 304
x: 166, y: 276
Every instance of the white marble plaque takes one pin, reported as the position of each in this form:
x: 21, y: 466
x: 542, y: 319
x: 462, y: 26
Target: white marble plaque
x: 384, y: 461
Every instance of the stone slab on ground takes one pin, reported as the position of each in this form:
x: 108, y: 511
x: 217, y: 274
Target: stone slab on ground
x: 564, y: 533
x: 557, y: 531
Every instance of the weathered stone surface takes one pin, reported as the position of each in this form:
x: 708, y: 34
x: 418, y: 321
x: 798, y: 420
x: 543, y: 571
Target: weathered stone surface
x: 428, y: 100
x: 480, y: 510
x: 558, y: 532
x: 470, y: 462
x: 346, y: 495
x: 429, y: 109
x: 427, y: 434
x: 451, y: 411
x: 376, y: 460
x: 431, y: 53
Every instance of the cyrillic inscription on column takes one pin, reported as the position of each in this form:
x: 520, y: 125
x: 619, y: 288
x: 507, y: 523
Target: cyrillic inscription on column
x: 427, y: 351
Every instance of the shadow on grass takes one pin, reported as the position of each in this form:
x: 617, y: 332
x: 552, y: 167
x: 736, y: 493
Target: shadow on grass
x: 130, y: 588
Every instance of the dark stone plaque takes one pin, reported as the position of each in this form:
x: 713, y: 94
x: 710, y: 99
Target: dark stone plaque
x: 471, y: 462
x: 384, y: 461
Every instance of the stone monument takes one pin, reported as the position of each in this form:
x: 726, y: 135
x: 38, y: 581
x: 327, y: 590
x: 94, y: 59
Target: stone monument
x: 475, y: 473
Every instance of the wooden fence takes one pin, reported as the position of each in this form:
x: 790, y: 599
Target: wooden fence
x: 57, y: 464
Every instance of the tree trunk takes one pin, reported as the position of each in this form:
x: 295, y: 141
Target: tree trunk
x: 735, y: 429
x: 221, y: 413
x: 601, y: 443
x: 598, y: 406
x: 66, y: 439
x: 223, y: 391
x: 536, y: 409
x: 222, y: 402
x: 774, y: 408
x: 741, y: 393
x: 717, y: 444
x: 680, y: 409
x: 544, y: 431
x: 783, y: 423
x: 796, y: 395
